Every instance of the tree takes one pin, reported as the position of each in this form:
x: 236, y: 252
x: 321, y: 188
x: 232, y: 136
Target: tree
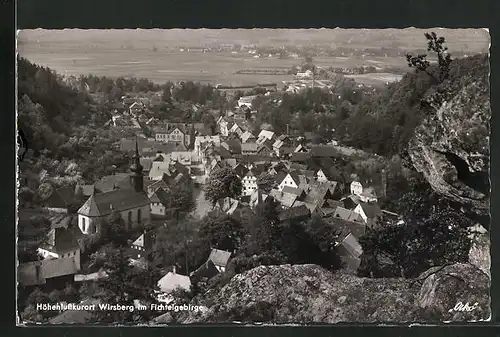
x: 209, y: 121
x: 266, y: 182
x: 420, y: 62
x: 115, y: 229
x: 221, y: 232
x: 180, y: 198
x: 222, y: 183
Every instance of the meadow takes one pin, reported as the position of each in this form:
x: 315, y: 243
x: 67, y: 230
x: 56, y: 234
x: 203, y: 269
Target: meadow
x: 163, y: 66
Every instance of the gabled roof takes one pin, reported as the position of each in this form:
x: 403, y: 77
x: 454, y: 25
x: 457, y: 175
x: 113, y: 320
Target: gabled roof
x: 206, y: 270
x: 233, y: 145
x: 292, y: 190
x: 249, y: 147
x: 159, y: 168
x: 146, y: 163
x: 60, y: 240
x: 119, y: 200
x: 219, y: 257
x: 146, y: 240
x: 87, y: 190
x: 347, y: 215
x: 285, y: 199
x: 246, y: 136
x: 300, y: 157
x: 294, y: 213
x: 371, y: 210
x: 173, y: 281
x: 60, y: 198
x: 111, y: 182
x: 352, y: 245
x: 240, y: 170
x: 323, y: 151
x: 160, y: 196
x: 49, y: 268
x: 266, y: 134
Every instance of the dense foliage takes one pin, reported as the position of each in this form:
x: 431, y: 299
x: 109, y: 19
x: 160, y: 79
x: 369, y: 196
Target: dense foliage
x: 222, y: 183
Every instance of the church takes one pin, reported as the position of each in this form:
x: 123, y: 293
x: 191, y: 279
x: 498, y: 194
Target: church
x: 132, y: 203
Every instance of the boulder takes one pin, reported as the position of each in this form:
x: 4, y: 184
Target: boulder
x: 310, y: 294
x: 459, y: 293
x: 451, y: 147
x: 479, y: 253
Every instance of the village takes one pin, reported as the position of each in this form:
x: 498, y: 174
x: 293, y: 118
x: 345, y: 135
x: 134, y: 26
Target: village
x: 299, y: 175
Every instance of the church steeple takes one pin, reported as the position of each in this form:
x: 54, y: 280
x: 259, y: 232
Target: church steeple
x: 136, y: 177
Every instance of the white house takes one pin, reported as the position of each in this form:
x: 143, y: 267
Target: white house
x: 291, y: 180
x: 265, y: 135
x: 220, y: 259
x: 249, y: 181
x: 172, y: 281
x: 158, y: 169
x: 246, y: 101
x: 159, y: 201
x: 368, y: 211
x: 223, y: 126
x: 356, y: 188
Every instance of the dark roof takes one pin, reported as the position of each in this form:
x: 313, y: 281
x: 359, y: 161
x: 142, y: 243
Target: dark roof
x: 121, y: 200
x: 371, y: 210
x: 240, y: 170
x: 146, y: 163
x: 295, y: 191
x: 323, y: 151
x: 223, y: 152
x: 345, y: 227
x: 60, y: 198
x: 300, y: 157
x: 29, y: 274
x: 234, y: 145
x: 347, y: 215
x: 60, y: 240
x: 294, y: 213
x: 160, y: 195
x: 111, y: 182
x: 129, y: 144
x: 206, y: 270
x: 87, y: 190
x: 146, y: 240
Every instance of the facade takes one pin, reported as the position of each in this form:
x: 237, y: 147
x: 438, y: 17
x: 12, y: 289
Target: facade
x: 203, y: 141
x: 246, y: 101
x: 174, y: 133
x: 61, y: 243
x: 291, y: 180
x: 131, y: 204
x: 356, y: 188
x: 158, y: 202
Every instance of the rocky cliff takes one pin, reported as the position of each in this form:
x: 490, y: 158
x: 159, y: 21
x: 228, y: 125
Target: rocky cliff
x: 311, y: 294
x: 451, y: 147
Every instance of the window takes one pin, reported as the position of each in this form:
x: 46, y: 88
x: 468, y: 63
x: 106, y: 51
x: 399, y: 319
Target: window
x: 84, y: 225
x: 138, y: 255
x: 129, y: 218
x: 139, y: 215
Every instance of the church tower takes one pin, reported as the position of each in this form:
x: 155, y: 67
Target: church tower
x: 136, y: 177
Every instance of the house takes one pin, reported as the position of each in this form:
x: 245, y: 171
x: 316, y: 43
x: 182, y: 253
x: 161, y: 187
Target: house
x: 136, y: 108
x: 223, y: 125
x: 368, y: 195
x: 59, y: 200
x: 300, y: 157
x: 368, y: 211
x: 174, y: 133
x: 142, y: 246
x: 295, y: 214
x: 201, y: 142
x: 249, y: 180
x: 240, y: 170
x: 300, y: 149
x: 277, y: 167
x: 284, y: 152
x: 236, y: 129
x: 204, y: 272
x: 220, y: 259
x: 56, y: 271
x: 350, y: 252
x: 290, y: 179
x: 132, y: 204
x: 348, y: 215
x: 265, y: 135
x: 318, y: 193
x: 158, y: 169
x: 285, y: 199
x: 351, y: 202
x: 257, y: 197
x: 356, y: 188
x: 249, y: 149
x: 321, y: 151
x: 159, y: 202
x: 60, y: 243
x: 300, y: 193
x: 234, y: 146
x: 264, y: 150
x: 248, y: 137
x: 246, y: 101
x: 173, y: 281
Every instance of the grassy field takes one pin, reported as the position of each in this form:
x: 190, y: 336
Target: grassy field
x: 116, y: 53
x: 375, y: 78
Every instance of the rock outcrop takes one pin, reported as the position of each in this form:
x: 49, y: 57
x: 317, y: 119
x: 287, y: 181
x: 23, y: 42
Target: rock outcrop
x: 479, y: 253
x: 310, y: 294
x: 451, y: 147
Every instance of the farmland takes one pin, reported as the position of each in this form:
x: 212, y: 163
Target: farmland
x: 157, y: 55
